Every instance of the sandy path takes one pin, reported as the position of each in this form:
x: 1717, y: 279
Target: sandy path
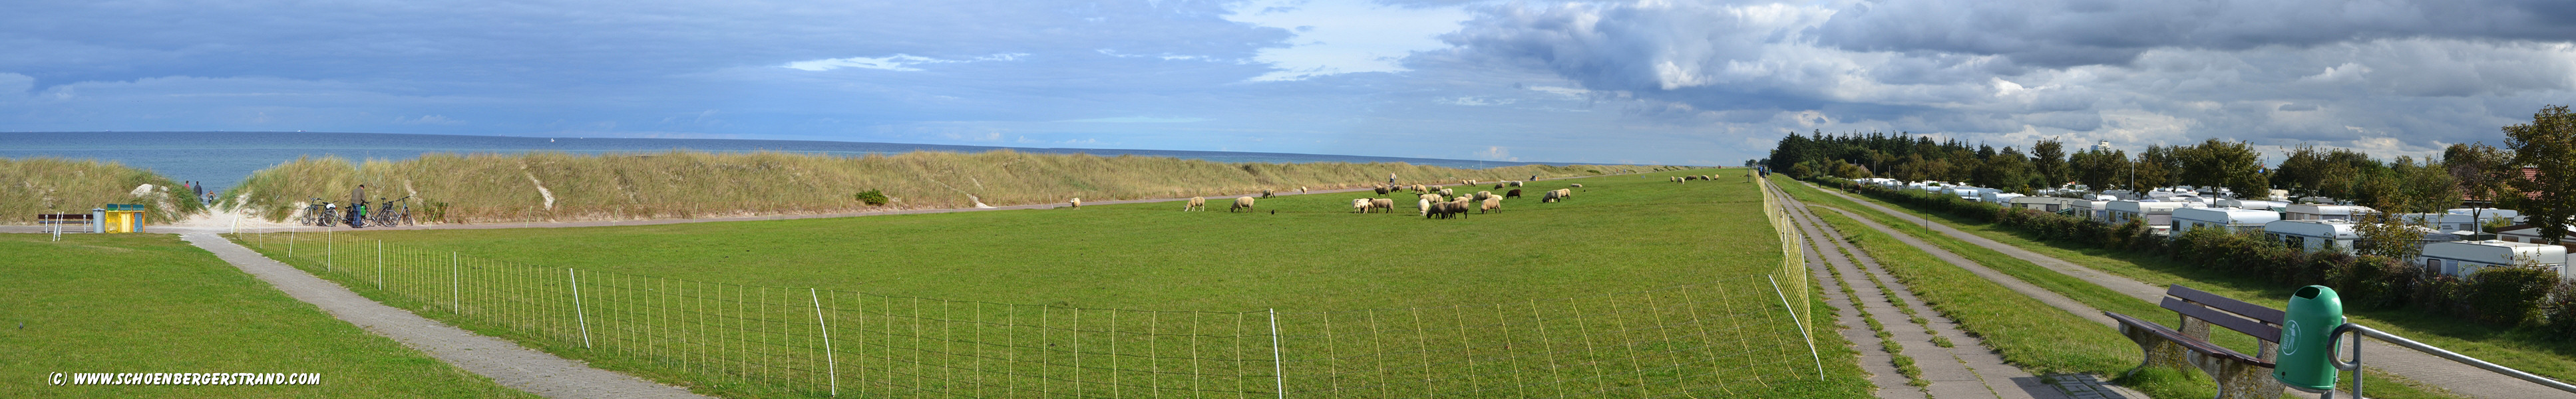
x: 505, y: 362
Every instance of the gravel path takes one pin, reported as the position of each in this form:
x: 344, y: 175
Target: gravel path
x: 1966, y: 369
x: 2433, y: 373
x: 505, y: 362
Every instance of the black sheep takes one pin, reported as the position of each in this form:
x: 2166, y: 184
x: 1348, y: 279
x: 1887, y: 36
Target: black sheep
x: 1515, y: 193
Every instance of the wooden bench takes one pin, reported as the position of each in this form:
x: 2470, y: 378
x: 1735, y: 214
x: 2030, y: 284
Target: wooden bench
x: 64, y: 218
x: 2238, y: 375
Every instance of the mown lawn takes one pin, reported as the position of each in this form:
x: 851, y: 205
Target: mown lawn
x: 153, y: 304
x: 1574, y: 298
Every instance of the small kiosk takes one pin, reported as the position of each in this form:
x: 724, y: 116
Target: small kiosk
x: 120, y: 218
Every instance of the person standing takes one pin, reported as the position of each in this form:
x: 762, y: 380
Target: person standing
x: 1390, y: 179
x: 357, y: 202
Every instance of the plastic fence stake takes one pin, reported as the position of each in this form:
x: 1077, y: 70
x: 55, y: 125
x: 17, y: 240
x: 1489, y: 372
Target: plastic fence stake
x: 829, y: 364
x: 578, y: 313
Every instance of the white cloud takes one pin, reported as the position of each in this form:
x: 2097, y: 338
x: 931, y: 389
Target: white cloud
x: 1344, y: 36
x: 427, y: 120
x: 897, y: 62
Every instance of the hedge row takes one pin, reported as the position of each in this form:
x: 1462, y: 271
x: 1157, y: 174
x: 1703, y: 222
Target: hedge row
x: 2504, y: 296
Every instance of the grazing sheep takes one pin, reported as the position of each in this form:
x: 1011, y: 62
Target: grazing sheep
x: 1498, y: 186
x: 1482, y: 195
x: 1515, y: 193
x: 1578, y: 185
x: 1554, y: 195
x: 1425, y: 204
x: 1564, y: 193
x: 1301, y: 189
x: 1077, y: 202
x: 1383, y: 203
x: 1421, y: 188
x: 1471, y: 182
x: 1359, y: 205
x: 1516, y: 183
x: 1196, y: 204
x: 1243, y: 203
x: 1265, y: 193
x: 1381, y: 190
x: 1448, y: 192
x: 1460, y: 206
x: 1494, y: 204
x: 1431, y: 197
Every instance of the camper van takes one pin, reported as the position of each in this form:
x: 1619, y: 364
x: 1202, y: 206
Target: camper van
x: 2325, y: 212
x: 2459, y: 258
x: 2047, y: 204
x: 2235, y: 220
x: 2311, y: 235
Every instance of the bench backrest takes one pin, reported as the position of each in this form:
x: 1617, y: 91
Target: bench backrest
x: 54, y: 218
x: 2261, y: 322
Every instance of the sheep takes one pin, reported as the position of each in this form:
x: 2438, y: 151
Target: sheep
x: 1432, y: 197
x: 1494, y: 204
x: 1265, y: 193
x: 1515, y: 193
x: 1196, y: 204
x: 1448, y: 192
x: 1381, y: 190
x: 1564, y: 193
x: 1425, y: 204
x: 1383, y: 203
x: 1077, y: 202
x: 1578, y: 185
x: 1421, y: 188
x: 1301, y: 190
x: 1359, y: 205
x: 1460, y: 206
x: 1243, y: 203
x: 1516, y: 183
x: 1445, y: 210
x: 1554, y: 195
x: 1482, y: 195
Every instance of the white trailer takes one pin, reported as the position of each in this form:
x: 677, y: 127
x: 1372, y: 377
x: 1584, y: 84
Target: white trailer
x: 2233, y: 219
x: 2156, y: 215
x: 2325, y: 212
x: 2459, y: 258
x: 2311, y: 235
x: 2048, y: 204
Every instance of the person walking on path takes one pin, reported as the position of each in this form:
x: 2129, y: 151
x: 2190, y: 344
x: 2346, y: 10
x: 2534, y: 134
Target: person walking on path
x: 1390, y: 179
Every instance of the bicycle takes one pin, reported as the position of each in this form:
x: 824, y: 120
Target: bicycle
x: 319, y: 213
x: 387, y: 215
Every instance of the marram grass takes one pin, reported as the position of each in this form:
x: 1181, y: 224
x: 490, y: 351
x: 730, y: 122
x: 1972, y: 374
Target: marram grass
x: 54, y: 185
x: 546, y: 186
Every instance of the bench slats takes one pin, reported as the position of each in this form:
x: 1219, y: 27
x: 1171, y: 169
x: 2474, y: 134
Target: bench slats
x: 2231, y: 305
x: 2193, y: 344
x: 2265, y: 332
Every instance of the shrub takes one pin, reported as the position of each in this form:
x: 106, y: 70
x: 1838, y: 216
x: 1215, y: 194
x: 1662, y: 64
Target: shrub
x: 2509, y: 295
x: 2560, y: 310
x: 872, y: 197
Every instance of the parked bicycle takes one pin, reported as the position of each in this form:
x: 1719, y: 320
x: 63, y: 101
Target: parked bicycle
x: 321, y: 213
x: 388, y: 213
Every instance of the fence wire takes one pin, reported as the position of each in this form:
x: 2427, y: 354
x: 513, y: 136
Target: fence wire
x: 1696, y: 340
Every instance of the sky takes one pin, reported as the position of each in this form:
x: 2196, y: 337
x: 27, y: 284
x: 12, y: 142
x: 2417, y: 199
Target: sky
x: 1659, y: 82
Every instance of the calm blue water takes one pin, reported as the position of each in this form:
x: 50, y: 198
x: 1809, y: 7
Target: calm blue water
x: 221, y: 159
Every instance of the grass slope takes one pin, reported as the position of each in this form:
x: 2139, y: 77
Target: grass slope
x: 53, y: 185
x: 1338, y: 280
x: 678, y: 184
x: 153, y: 304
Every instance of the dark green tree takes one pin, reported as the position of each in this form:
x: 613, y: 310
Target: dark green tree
x: 2547, y: 143
x: 2048, y: 162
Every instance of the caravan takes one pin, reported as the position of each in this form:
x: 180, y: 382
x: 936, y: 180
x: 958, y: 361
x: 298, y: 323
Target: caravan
x: 2460, y: 258
x: 2235, y: 220
x: 2311, y: 235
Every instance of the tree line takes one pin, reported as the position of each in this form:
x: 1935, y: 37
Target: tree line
x: 2472, y: 173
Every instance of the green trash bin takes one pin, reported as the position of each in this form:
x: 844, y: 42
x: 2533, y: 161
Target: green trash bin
x: 2307, y: 349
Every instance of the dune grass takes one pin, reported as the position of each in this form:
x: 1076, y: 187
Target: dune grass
x: 1539, y: 299
x: 149, y: 303
x: 2158, y: 383
x: 477, y: 188
x: 31, y: 186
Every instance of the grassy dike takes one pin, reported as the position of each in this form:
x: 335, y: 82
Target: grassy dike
x: 2160, y: 383
x: 1619, y: 234
x: 153, y: 304
x: 53, y: 185
x: 541, y: 186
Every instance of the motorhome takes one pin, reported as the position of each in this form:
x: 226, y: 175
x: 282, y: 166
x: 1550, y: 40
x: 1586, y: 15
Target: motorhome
x: 2093, y: 210
x: 2233, y: 219
x: 2312, y: 235
x: 2460, y: 258
x: 1997, y: 197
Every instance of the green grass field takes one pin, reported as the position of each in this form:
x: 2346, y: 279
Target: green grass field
x: 1635, y: 286
x: 154, y: 304
x: 2042, y: 354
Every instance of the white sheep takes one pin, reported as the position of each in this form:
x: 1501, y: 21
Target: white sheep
x: 1359, y: 205
x: 1383, y: 203
x: 1196, y: 204
x: 1448, y: 192
x: 1241, y: 203
x: 1077, y: 202
x: 1493, y: 204
x: 1426, y: 206
x: 1578, y: 185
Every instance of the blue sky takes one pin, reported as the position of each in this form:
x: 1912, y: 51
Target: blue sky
x: 1707, y: 82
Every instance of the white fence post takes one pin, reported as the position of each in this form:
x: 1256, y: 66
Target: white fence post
x: 380, y: 265
x: 832, y: 367
x: 577, y: 312
x: 455, y: 283
x: 1802, y: 325
x: 330, y: 248
x: 1278, y: 371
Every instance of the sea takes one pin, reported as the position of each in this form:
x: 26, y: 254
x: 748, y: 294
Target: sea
x: 219, y: 160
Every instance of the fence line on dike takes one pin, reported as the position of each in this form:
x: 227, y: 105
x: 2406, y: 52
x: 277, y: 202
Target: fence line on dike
x: 1733, y: 335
